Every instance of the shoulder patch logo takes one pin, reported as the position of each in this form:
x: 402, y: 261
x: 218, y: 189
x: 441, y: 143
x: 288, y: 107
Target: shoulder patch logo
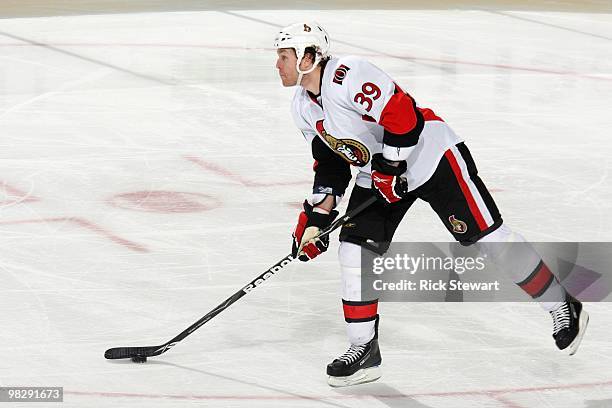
x: 340, y: 74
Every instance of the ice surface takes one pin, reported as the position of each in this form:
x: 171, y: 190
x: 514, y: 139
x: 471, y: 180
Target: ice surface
x: 149, y: 167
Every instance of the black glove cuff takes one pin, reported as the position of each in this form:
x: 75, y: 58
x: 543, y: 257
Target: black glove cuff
x: 379, y: 163
x: 317, y: 219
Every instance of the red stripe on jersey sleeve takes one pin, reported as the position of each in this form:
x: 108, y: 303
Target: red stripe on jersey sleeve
x: 398, y: 116
x: 320, y: 128
x: 429, y: 115
x: 368, y: 118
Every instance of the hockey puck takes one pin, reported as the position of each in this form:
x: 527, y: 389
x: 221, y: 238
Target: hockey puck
x: 139, y: 359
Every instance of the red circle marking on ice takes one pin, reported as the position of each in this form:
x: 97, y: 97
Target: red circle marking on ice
x: 164, y: 201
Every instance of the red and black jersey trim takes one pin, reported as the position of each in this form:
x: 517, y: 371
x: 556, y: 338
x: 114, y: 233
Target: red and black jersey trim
x: 429, y: 115
x: 314, y: 97
x: 402, y: 120
x: 332, y: 172
x: 538, y: 281
x: 360, y: 311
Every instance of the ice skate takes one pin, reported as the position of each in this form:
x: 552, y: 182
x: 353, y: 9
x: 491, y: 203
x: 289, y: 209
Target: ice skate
x: 360, y: 364
x: 569, y: 324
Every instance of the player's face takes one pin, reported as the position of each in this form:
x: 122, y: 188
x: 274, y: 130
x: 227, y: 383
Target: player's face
x: 286, y: 66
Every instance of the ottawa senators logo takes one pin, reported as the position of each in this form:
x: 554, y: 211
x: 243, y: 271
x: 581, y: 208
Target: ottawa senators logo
x: 340, y: 73
x: 459, y: 227
x: 354, y: 152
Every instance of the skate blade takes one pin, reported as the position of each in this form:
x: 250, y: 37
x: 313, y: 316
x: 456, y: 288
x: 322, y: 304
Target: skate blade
x: 584, y: 321
x: 362, y: 376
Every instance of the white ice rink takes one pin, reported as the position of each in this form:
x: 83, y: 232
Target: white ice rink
x: 149, y: 167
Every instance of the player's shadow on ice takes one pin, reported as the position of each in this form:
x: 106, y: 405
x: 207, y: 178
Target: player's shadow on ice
x: 385, y: 394
x: 298, y: 397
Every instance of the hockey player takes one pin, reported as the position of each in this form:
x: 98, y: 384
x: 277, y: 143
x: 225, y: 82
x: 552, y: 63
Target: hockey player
x: 352, y: 113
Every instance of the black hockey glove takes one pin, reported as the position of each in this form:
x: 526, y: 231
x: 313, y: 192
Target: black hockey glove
x: 305, y: 244
x: 387, y: 181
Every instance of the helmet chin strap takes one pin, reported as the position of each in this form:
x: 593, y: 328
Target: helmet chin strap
x: 299, y: 78
x: 308, y: 71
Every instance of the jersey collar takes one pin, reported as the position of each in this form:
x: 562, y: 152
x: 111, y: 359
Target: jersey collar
x: 317, y: 98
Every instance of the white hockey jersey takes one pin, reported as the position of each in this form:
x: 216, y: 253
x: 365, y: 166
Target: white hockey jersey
x: 361, y: 111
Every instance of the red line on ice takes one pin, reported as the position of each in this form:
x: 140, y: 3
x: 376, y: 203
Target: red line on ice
x: 164, y: 201
x: 215, y: 168
x: 83, y: 223
x: 20, y: 196
x: 494, y: 393
x: 403, y: 57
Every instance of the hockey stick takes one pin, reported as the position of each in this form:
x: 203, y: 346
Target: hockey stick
x: 139, y: 354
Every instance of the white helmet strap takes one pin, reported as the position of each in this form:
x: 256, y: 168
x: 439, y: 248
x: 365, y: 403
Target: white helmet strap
x: 300, y: 55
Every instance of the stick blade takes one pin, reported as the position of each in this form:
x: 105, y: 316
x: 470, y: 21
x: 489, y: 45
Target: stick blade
x: 129, y: 352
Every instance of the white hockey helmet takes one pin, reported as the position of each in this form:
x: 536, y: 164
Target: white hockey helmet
x: 300, y: 36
